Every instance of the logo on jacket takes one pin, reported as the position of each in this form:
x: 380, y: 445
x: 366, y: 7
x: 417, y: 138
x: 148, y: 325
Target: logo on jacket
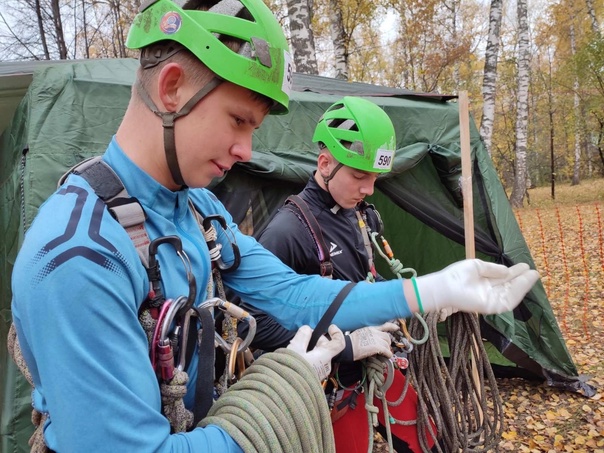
x: 332, y: 249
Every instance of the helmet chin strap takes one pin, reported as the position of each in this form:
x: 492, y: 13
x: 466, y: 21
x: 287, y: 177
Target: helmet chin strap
x: 168, y: 119
x: 326, y: 179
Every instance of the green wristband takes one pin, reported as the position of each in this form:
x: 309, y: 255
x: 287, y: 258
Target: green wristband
x: 419, y: 300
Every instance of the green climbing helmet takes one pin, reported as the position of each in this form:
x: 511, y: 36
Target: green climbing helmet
x: 359, y: 134
x: 263, y: 63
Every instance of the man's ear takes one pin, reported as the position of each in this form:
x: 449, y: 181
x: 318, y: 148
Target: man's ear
x: 323, y: 164
x: 170, y: 82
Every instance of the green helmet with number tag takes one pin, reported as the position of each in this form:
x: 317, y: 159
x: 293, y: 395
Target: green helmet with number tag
x: 262, y: 64
x: 359, y: 134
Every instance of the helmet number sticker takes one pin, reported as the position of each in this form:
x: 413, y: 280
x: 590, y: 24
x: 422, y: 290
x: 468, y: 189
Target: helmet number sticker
x: 288, y: 73
x: 383, y: 159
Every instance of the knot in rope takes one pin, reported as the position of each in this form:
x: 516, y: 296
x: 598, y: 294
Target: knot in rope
x: 374, y: 386
x: 172, y: 395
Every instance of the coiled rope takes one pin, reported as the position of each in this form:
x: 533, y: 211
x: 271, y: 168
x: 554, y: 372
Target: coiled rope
x: 468, y: 415
x: 277, y: 405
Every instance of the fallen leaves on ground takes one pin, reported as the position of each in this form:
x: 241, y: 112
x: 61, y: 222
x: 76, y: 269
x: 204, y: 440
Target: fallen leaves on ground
x: 566, y: 241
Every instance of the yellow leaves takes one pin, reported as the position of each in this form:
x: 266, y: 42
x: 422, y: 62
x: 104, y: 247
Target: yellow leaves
x: 510, y: 435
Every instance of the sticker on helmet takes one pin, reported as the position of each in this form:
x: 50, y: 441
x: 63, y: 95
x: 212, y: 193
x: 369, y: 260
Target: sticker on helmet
x: 383, y: 159
x: 170, y: 23
x: 288, y: 73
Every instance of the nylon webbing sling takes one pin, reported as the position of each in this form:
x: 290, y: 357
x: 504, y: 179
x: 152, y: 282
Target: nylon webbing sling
x: 327, y: 317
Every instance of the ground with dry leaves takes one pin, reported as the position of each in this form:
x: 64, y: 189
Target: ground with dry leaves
x: 566, y: 239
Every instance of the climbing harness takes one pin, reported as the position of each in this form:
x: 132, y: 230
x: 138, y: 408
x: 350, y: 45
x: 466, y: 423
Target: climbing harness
x: 168, y: 322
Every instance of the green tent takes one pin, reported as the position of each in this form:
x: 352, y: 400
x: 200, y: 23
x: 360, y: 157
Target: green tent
x: 54, y: 114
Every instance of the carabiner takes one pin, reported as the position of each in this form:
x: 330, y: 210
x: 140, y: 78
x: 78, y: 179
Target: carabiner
x: 215, y: 254
x: 236, y: 312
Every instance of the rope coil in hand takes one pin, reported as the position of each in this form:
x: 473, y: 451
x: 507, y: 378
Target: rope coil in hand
x: 277, y: 405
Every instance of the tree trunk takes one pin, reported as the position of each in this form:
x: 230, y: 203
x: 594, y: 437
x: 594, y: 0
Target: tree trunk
x: 59, y: 35
x: 576, y: 108
x: 302, y: 39
x: 42, y: 32
x: 520, y: 165
x: 489, y: 82
x: 340, y: 43
x: 595, y: 27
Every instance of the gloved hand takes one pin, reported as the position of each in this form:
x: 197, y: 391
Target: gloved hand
x: 369, y: 341
x: 445, y: 313
x: 476, y: 286
x: 325, y: 350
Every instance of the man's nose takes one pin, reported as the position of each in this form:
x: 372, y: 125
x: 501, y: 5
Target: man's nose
x: 242, y: 149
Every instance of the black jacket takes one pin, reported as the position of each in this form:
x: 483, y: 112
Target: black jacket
x: 289, y: 239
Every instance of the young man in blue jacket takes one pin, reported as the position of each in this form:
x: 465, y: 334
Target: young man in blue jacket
x: 209, y: 74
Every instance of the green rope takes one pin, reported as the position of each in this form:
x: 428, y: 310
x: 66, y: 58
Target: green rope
x: 277, y: 405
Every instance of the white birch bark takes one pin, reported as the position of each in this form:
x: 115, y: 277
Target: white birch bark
x: 302, y: 38
x: 340, y: 44
x: 519, y: 189
x: 577, y: 111
x: 595, y: 26
x: 489, y: 82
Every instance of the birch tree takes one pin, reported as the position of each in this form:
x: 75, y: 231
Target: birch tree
x: 595, y: 26
x: 489, y: 83
x: 340, y: 41
x: 302, y: 38
x: 577, y: 110
x: 520, y: 167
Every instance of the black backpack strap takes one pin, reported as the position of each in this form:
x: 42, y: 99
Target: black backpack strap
x: 302, y: 211
x: 328, y: 316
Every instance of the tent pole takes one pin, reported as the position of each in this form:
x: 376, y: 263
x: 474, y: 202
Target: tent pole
x: 468, y: 210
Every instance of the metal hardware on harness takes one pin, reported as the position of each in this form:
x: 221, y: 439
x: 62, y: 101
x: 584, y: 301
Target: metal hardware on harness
x: 215, y: 249
x: 155, y: 275
x: 233, y: 355
x: 236, y: 312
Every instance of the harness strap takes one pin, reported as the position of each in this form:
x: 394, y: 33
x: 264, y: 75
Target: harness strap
x: 125, y: 209
x: 299, y: 207
x: 204, y: 387
x: 325, y: 321
x: 363, y: 227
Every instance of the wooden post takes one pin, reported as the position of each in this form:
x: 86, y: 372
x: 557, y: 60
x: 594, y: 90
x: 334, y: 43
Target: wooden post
x: 468, y: 208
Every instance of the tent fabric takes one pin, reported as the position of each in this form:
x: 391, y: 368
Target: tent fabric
x: 66, y: 112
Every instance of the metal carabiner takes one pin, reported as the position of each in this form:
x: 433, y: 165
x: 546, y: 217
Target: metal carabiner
x: 155, y: 274
x: 236, y: 312
x: 215, y: 248
x: 233, y: 355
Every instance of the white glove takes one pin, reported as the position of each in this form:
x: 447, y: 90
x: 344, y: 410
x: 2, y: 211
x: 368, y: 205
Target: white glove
x: 325, y: 350
x: 445, y: 313
x: 370, y: 341
x: 476, y: 286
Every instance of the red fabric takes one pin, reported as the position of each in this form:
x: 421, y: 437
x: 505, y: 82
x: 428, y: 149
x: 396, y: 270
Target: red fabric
x: 351, y: 431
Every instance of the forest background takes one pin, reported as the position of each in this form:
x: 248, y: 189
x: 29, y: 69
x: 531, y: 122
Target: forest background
x: 534, y: 70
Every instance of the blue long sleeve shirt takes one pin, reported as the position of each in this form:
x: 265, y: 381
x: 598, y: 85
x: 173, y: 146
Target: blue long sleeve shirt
x: 78, y: 284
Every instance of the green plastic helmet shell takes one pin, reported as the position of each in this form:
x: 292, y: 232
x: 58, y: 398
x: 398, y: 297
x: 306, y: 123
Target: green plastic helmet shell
x: 267, y: 67
x: 359, y: 134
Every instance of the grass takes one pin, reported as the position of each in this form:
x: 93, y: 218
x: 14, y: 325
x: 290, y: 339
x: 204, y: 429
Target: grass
x: 589, y: 191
